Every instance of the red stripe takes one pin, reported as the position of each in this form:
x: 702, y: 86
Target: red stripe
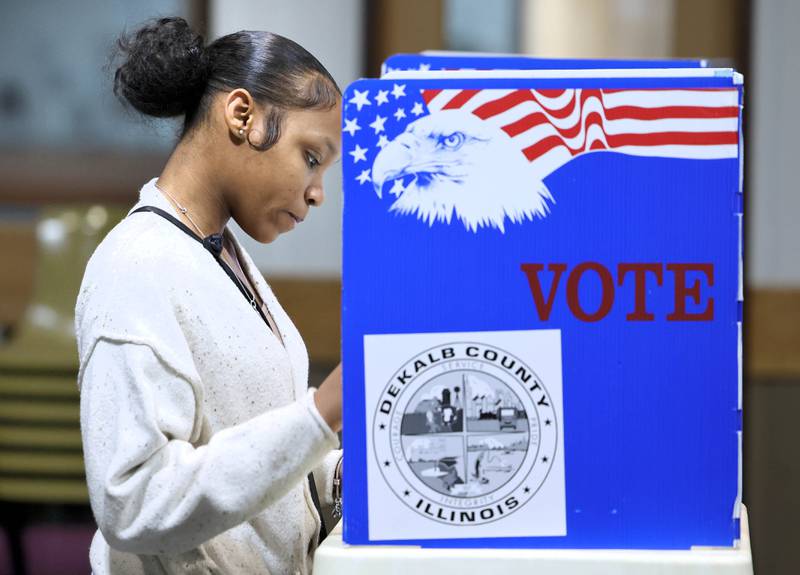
x: 674, y: 138
x: 658, y: 139
x: 637, y: 113
x: 542, y: 147
x: 507, y: 102
x: 551, y: 93
x: 526, y: 123
x: 569, y: 107
x: 625, y: 112
x: 538, y: 118
x: 517, y: 97
x: 565, y: 111
x: 460, y: 99
x: 429, y: 95
x: 500, y: 105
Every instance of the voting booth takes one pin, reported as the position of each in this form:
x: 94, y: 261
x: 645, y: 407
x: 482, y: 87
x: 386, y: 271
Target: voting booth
x: 541, y: 307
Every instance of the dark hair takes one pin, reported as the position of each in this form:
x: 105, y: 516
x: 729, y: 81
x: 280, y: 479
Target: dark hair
x: 167, y: 71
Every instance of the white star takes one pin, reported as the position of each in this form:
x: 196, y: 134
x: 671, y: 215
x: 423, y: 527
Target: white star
x: 360, y: 99
x: 400, y: 113
x: 417, y: 109
x: 397, y: 188
x: 398, y: 90
x: 382, y: 141
x: 382, y: 97
x: 351, y: 126
x: 424, y: 67
x: 377, y: 125
x: 359, y: 154
x: 363, y: 177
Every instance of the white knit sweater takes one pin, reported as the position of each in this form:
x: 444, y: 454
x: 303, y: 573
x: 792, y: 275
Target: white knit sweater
x: 198, y: 425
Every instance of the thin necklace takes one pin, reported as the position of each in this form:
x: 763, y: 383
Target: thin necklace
x: 268, y: 316
x: 181, y: 209
x: 185, y: 212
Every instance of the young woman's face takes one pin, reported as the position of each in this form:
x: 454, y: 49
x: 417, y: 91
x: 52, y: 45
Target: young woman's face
x: 277, y: 188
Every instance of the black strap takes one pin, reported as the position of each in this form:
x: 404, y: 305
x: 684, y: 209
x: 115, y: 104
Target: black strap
x: 323, y: 533
x: 213, y: 244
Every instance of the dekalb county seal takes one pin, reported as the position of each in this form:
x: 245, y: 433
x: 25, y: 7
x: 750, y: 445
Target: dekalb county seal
x: 465, y: 433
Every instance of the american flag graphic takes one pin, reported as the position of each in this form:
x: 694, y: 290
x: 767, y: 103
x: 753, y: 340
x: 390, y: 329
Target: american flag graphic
x: 461, y: 140
x: 553, y: 126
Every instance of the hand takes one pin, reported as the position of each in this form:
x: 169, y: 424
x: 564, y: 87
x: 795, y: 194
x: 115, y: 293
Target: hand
x: 329, y: 399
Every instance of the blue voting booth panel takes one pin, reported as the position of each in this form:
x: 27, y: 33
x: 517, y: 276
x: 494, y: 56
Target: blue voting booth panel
x: 460, y: 61
x: 541, y: 312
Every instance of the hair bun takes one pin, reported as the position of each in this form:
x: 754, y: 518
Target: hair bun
x: 164, y: 69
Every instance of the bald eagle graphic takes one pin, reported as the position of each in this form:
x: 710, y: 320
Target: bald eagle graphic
x: 481, y: 156
x: 446, y: 165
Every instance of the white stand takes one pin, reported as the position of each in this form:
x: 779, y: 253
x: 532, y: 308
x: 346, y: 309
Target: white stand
x: 335, y: 558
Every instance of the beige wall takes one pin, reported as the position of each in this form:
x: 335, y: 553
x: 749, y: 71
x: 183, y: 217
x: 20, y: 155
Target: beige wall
x: 631, y: 28
x: 774, y: 146
x: 597, y: 28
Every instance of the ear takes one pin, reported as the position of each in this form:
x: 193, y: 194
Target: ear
x: 239, y: 111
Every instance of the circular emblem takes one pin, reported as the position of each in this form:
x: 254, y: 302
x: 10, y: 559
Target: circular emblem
x: 465, y: 433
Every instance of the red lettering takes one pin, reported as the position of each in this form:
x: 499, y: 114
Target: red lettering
x: 543, y: 307
x: 682, y: 292
x: 640, y: 312
x: 607, y: 300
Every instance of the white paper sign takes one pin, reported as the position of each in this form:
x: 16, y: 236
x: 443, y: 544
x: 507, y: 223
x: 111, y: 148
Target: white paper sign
x: 465, y: 435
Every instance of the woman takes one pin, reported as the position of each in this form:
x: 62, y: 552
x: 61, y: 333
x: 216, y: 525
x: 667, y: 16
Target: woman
x: 199, y: 429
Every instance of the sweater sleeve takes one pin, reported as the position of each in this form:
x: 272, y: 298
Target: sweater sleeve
x: 151, y: 489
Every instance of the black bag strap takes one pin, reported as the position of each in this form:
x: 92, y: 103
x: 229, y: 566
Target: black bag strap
x: 213, y: 244
x: 323, y: 533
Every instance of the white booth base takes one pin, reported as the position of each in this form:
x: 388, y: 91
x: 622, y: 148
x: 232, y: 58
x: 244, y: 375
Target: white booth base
x: 336, y: 558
